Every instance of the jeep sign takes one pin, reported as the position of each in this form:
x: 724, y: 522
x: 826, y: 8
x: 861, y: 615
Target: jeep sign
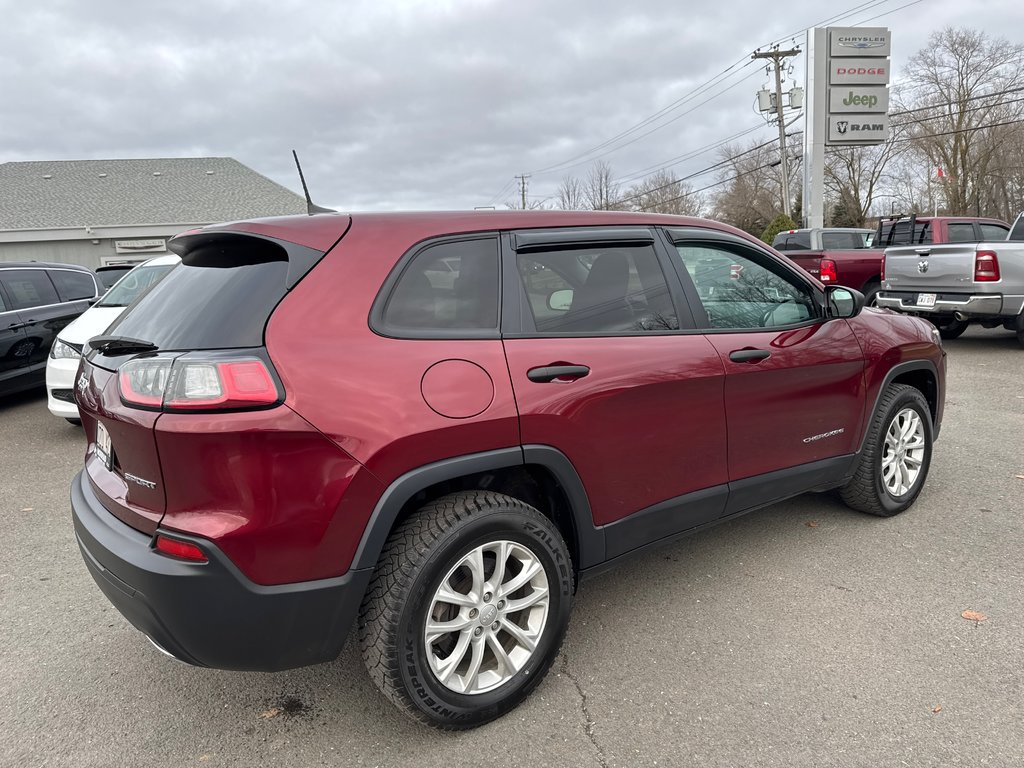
x: 858, y: 71
x: 858, y: 98
x: 856, y: 128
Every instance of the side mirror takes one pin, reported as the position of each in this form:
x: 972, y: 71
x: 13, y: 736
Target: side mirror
x: 843, y: 302
x: 560, y: 301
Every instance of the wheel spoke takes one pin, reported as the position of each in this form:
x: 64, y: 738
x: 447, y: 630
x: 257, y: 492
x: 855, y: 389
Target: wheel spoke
x: 469, y: 679
x: 508, y: 668
x: 475, y: 563
x: 501, y: 553
x: 538, y: 594
x: 448, y: 595
x: 438, y: 629
x: 449, y: 665
x: 913, y: 461
x: 530, y: 569
x: 521, y: 636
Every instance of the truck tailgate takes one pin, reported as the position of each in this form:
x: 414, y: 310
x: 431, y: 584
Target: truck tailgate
x: 933, y: 268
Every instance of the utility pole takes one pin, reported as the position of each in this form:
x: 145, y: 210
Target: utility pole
x: 777, y: 57
x: 522, y: 186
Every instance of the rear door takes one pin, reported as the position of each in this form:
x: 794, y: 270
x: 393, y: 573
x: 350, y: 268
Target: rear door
x: 42, y: 312
x: 13, y: 347
x: 794, y: 381
x: 605, y: 366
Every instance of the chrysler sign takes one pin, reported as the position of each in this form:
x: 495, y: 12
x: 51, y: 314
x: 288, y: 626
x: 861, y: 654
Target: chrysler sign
x: 859, y: 41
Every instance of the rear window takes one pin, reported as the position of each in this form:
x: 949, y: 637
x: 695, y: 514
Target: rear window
x: 133, y: 285
x: 899, y: 234
x: 110, y: 276
x: 219, y: 297
x: 792, y: 241
x: 843, y: 241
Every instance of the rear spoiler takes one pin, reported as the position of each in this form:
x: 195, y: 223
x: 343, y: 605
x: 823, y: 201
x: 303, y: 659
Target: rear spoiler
x: 226, y: 248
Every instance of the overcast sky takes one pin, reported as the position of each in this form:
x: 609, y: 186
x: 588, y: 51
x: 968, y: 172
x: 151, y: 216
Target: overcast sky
x: 394, y: 104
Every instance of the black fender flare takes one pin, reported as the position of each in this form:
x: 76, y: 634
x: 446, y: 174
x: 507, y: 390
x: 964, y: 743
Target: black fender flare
x: 589, y: 539
x: 897, y: 370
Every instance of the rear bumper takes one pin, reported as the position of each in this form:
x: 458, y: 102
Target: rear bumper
x: 209, y: 614
x: 982, y: 305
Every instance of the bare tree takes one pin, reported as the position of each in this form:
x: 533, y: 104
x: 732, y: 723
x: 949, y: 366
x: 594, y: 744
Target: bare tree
x: 855, y: 175
x: 959, y: 115
x: 571, y: 195
x: 662, y: 192
x: 600, y: 190
x: 750, y: 183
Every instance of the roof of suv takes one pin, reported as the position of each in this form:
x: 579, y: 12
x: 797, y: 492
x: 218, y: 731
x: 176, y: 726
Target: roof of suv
x: 321, y: 231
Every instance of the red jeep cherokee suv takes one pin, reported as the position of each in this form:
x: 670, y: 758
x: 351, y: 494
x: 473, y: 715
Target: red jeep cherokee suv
x: 431, y: 425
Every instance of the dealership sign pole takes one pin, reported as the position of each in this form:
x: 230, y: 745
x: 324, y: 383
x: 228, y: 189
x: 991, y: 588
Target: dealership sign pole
x: 848, y: 88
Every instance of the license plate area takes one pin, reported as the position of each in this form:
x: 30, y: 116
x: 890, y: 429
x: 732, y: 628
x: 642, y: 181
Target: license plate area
x: 103, y: 449
x: 926, y: 299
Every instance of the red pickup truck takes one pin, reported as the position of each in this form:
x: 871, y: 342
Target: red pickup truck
x: 854, y: 257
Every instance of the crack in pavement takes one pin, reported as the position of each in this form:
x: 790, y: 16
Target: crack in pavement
x: 589, y: 723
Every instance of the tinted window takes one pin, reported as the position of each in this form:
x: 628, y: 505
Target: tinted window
x: 597, y: 290
x: 73, y: 285
x: 842, y: 241
x: 133, y: 285
x: 447, y: 286
x: 899, y: 234
x: 207, y: 307
x: 994, y: 232
x: 29, y: 288
x: 738, y: 291
x: 110, y: 276
x: 961, y: 233
x: 793, y: 241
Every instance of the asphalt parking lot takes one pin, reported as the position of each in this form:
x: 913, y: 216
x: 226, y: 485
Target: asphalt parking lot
x: 801, y: 635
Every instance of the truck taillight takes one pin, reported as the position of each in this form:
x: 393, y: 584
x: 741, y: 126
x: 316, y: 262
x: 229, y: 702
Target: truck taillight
x: 882, y: 276
x: 184, y: 384
x: 986, y: 267
x: 828, y: 273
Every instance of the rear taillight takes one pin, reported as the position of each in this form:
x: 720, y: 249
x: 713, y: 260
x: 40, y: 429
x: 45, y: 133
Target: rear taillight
x: 828, y: 273
x: 185, y: 384
x: 183, y: 550
x: 986, y: 267
x: 882, y: 277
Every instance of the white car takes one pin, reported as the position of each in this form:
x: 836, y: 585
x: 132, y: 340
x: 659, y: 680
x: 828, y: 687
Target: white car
x: 66, y: 352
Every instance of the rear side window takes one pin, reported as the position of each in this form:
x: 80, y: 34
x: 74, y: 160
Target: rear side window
x: 995, y: 232
x: 608, y: 290
x: 72, y: 285
x: 28, y: 288
x: 1017, y: 233
x: 842, y: 241
x: 793, y: 241
x: 448, y: 287
x: 219, y: 297
x: 961, y: 233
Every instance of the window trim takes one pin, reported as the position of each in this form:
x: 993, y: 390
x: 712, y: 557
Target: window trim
x: 376, y: 320
x: 700, y: 236
x: 517, y: 317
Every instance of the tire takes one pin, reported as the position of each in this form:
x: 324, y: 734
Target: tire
x: 1020, y: 336
x: 952, y: 329
x: 435, y: 548
x: 870, y: 292
x: 871, y: 489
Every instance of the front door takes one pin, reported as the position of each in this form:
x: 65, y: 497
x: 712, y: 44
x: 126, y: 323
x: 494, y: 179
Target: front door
x: 794, y: 380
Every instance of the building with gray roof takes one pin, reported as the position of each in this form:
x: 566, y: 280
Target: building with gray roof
x: 94, y: 212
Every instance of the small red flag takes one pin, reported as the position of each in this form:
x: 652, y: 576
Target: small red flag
x: 941, y: 175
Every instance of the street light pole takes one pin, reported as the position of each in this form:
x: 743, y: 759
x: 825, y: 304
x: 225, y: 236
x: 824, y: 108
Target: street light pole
x: 777, y: 57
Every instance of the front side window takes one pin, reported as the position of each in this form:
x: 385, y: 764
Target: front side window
x: 29, y: 288
x: 602, y: 289
x: 738, y: 292
x: 449, y: 286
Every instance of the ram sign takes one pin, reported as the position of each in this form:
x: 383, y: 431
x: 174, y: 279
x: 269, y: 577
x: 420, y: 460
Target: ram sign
x: 858, y: 129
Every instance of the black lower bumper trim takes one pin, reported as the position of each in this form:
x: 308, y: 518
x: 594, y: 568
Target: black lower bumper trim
x: 210, y: 614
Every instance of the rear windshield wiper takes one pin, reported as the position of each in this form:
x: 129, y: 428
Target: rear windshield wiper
x: 123, y: 345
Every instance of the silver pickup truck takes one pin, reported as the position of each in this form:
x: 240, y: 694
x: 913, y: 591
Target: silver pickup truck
x: 957, y: 284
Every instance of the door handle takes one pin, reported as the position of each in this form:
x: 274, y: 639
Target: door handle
x: 549, y: 373
x: 749, y: 355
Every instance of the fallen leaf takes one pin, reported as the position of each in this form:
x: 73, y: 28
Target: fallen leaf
x: 811, y: 523
x: 1019, y: 477
x: 974, y: 615
x: 938, y: 708
x: 28, y: 509
x: 273, y: 712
